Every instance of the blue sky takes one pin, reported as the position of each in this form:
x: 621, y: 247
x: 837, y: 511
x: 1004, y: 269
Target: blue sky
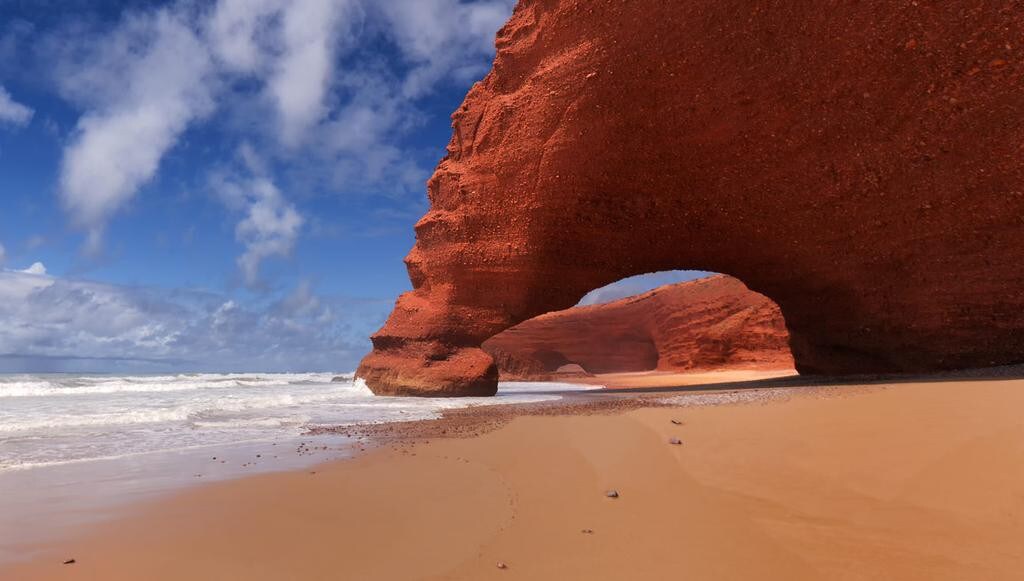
x: 224, y: 185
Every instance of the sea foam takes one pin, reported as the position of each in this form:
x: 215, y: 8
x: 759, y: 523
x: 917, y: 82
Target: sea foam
x: 56, y: 419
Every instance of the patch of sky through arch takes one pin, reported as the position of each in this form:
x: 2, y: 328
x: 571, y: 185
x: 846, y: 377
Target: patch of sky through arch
x: 640, y: 283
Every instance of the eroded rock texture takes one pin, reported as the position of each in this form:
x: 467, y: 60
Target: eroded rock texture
x: 712, y: 323
x: 860, y: 163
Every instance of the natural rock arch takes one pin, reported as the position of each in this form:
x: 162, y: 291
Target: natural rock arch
x: 859, y: 163
x: 710, y: 323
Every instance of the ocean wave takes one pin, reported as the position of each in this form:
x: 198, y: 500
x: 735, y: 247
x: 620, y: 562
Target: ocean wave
x: 191, y: 409
x: 152, y: 413
x: 122, y: 418
x: 78, y: 385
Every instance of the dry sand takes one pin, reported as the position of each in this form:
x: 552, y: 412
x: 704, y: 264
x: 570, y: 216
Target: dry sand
x: 909, y: 481
x: 646, y: 379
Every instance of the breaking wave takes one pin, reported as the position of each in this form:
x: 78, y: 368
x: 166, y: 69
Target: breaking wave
x: 56, y: 419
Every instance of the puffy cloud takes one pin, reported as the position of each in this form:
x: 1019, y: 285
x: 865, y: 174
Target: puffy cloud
x: 49, y: 318
x: 37, y: 268
x: 302, y: 75
x: 12, y: 112
x: 157, y: 72
x: 443, y: 37
x: 440, y: 40
x: 359, y: 142
x: 151, y: 76
x: 235, y: 29
x: 311, y: 67
x: 290, y: 45
x: 269, y: 226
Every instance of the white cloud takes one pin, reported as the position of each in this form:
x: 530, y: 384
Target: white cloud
x: 235, y: 31
x: 270, y: 224
x: 156, y: 72
x: 302, y: 75
x: 443, y: 37
x: 440, y: 40
x: 47, y: 318
x: 290, y: 45
x: 12, y: 112
x: 144, y: 82
x: 269, y: 228
x: 3, y: 254
x: 37, y: 268
x: 360, y: 138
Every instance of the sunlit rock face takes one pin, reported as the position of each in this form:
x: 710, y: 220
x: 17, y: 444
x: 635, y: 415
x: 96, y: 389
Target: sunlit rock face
x: 860, y: 165
x: 714, y: 323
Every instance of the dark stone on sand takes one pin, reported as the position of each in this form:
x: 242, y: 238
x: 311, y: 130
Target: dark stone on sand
x: 677, y: 422
x: 69, y: 562
x: 612, y: 494
x: 502, y: 565
x: 675, y: 441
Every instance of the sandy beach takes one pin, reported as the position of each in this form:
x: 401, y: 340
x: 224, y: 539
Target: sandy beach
x: 663, y: 379
x: 469, y: 290
x: 920, y: 480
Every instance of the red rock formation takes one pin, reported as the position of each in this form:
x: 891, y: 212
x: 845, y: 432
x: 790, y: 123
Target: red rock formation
x: 712, y: 323
x: 860, y: 163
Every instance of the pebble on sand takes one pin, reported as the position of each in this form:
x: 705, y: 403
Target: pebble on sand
x: 675, y: 441
x: 612, y: 494
x: 677, y: 422
x: 502, y: 565
x: 69, y: 562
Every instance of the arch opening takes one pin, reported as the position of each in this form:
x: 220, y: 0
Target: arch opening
x: 659, y: 324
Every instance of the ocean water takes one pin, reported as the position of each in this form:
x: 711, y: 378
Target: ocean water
x: 77, y: 449
x: 48, y: 420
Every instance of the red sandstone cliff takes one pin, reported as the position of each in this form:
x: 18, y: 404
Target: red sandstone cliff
x: 857, y: 162
x: 712, y: 323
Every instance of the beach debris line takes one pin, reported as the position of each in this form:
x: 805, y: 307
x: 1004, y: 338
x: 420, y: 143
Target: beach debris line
x: 612, y: 494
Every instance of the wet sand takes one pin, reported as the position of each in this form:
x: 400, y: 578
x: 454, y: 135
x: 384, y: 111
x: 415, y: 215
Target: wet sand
x: 904, y: 481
